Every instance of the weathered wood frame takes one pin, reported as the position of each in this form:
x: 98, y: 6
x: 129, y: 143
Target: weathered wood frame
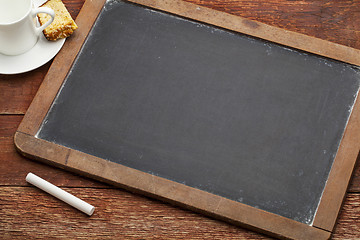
x: 29, y: 145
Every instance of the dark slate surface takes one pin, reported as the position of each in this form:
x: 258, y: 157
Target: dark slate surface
x: 246, y: 119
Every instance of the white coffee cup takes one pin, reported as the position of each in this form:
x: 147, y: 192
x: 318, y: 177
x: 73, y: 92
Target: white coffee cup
x: 18, y: 31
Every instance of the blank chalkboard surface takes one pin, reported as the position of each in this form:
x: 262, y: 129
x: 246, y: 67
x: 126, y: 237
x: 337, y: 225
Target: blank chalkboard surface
x: 232, y: 115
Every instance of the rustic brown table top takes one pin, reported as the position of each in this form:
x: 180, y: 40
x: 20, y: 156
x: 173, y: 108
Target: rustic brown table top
x: 28, y: 213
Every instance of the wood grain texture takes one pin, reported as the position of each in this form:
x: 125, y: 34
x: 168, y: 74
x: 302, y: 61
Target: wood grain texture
x: 335, y: 21
x: 124, y: 215
x: 17, y: 91
x: 348, y: 224
x: 118, y: 215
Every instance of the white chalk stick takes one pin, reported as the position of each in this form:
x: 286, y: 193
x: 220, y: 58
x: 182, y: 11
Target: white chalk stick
x: 60, y: 194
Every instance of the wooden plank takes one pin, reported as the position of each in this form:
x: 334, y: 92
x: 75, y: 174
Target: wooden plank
x: 123, y: 215
x: 335, y: 21
x: 118, y: 214
x: 17, y: 91
x: 8, y: 125
x: 348, y: 224
x: 73, y: 6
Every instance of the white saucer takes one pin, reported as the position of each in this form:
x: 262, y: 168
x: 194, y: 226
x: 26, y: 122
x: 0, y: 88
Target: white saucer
x: 41, y: 53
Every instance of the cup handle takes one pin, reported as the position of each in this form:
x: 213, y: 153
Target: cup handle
x: 46, y: 10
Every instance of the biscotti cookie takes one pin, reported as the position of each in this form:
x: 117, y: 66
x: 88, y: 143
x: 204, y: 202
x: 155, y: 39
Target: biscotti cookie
x: 62, y: 26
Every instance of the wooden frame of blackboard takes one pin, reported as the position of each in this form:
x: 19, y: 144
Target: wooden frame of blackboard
x: 212, y: 205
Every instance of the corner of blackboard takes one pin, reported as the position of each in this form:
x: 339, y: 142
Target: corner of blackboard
x: 31, y: 147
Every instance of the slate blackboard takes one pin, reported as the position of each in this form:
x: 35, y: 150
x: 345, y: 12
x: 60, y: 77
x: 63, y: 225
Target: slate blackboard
x: 222, y: 112
x: 236, y: 116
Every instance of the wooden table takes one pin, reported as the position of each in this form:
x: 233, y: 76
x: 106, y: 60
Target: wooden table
x: 28, y: 213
